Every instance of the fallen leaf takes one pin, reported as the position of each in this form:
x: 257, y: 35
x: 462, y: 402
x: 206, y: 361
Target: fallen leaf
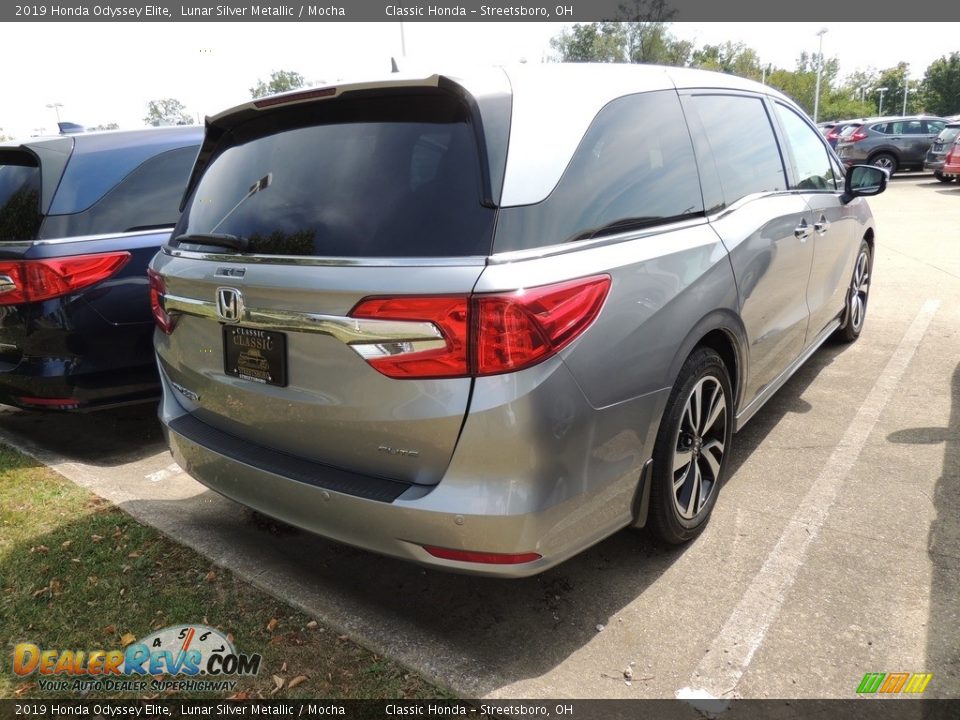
x: 25, y: 687
x: 41, y: 591
x: 134, y: 554
x: 312, y: 624
x: 210, y: 576
x: 66, y: 544
x: 230, y: 638
x: 242, y: 695
x: 56, y: 587
x: 277, y: 684
x: 92, y: 580
x: 40, y: 549
x: 127, y: 639
x: 110, y: 630
x: 343, y: 638
x: 96, y: 538
x: 122, y: 591
x: 283, y: 668
x: 272, y: 625
x: 296, y: 681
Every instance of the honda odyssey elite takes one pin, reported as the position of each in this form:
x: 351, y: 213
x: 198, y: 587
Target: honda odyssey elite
x: 482, y: 322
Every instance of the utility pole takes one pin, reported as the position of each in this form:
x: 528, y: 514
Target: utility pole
x: 816, y: 94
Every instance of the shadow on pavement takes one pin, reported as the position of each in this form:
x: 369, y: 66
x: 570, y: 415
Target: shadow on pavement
x: 105, y: 438
x: 943, y: 626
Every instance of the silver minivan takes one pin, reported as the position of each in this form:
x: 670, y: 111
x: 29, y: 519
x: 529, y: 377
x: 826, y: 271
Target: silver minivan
x: 483, y: 321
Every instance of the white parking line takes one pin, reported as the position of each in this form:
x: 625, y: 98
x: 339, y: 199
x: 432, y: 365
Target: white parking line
x: 721, y: 669
x: 168, y: 471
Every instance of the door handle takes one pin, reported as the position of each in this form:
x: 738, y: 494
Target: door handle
x: 802, y: 231
x: 822, y: 225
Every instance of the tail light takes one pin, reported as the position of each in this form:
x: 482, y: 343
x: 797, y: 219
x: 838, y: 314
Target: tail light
x: 25, y: 281
x: 954, y: 155
x: 157, y: 290
x: 858, y: 135
x: 488, y: 334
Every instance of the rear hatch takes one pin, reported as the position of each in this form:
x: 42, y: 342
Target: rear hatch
x: 300, y: 209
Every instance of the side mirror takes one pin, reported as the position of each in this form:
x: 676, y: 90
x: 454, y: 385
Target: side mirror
x: 864, y: 181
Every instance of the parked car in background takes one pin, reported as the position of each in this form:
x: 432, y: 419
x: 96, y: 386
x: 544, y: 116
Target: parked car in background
x: 951, y: 164
x: 892, y: 143
x: 937, y: 155
x: 833, y: 133
x: 80, y: 217
x: 483, y: 322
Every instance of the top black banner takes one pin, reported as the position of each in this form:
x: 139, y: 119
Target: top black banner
x: 478, y: 11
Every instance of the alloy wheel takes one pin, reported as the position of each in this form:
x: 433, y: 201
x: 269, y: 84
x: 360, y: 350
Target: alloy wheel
x: 699, y: 447
x: 859, y: 289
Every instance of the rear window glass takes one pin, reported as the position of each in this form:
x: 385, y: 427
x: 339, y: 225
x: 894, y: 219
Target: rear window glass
x: 378, y: 177
x: 949, y: 134
x: 20, y: 216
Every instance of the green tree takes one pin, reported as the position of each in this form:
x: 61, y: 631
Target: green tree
x: 167, y: 111
x: 941, y: 86
x: 735, y: 59
x: 592, y: 42
x: 280, y: 81
x: 106, y: 126
x: 893, y: 79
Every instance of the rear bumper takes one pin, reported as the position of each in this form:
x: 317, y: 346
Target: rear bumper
x: 474, y: 508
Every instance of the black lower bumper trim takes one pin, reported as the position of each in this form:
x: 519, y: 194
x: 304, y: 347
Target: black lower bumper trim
x: 278, y: 463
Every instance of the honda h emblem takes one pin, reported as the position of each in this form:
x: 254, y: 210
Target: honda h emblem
x: 229, y: 304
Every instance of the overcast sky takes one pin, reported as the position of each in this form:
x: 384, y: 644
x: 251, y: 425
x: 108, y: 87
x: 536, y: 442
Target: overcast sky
x: 107, y: 72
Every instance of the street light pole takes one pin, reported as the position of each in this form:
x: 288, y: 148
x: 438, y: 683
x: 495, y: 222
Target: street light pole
x: 816, y: 93
x: 881, y: 91
x: 56, y: 108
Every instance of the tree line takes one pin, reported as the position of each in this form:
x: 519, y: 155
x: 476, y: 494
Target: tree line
x: 647, y: 38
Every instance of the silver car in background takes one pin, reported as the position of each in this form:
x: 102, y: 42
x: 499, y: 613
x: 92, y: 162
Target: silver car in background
x: 481, y: 322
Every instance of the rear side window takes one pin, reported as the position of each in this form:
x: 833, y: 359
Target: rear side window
x: 884, y: 128
x: 738, y: 135
x: 633, y: 169
x: 377, y: 177
x: 20, y: 216
x: 149, y: 197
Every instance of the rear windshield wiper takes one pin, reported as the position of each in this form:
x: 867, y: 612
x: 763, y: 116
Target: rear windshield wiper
x: 233, y: 242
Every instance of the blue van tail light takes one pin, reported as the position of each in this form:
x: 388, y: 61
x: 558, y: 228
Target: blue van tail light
x: 25, y: 281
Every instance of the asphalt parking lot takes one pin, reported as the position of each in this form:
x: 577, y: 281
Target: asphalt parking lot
x: 834, y: 549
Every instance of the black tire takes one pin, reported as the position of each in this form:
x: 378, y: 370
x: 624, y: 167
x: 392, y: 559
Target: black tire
x: 941, y: 177
x: 886, y: 161
x: 858, y: 293
x: 681, y: 499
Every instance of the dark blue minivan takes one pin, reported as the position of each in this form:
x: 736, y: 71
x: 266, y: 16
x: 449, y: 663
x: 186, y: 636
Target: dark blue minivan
x: 80, y: 218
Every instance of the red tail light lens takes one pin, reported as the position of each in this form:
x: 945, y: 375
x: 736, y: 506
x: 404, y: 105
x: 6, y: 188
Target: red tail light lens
x: 489, y: 334
x: 523, y: 328
x: 24, y: 281
x: 448, y: 313
x: 858, y: 135
x: 157, y: 290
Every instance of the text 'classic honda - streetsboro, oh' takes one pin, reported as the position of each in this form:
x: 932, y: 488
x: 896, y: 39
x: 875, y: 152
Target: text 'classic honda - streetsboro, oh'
x: 482, y: 322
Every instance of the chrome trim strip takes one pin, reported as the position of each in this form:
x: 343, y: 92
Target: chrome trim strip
x: 468, y: 261
x: 103, y: 236
x: 347, y: 330
x: 561, y: 249
x: 758, y: 402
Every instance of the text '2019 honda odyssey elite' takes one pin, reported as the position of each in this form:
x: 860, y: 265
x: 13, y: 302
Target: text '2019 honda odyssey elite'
x: 483, y: 322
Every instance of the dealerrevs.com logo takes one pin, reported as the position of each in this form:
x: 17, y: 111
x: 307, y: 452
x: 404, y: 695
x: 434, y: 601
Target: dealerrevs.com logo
x: 894, y: 683
x: 188, y: 651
